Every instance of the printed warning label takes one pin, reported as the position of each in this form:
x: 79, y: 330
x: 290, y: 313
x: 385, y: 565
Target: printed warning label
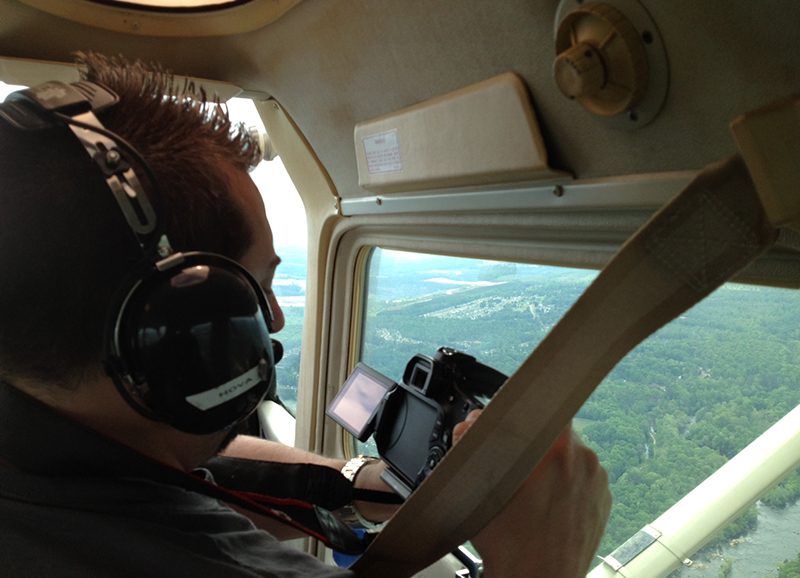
x: 382, y: 151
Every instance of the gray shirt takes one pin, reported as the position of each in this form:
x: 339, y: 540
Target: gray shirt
x: 72, y: 504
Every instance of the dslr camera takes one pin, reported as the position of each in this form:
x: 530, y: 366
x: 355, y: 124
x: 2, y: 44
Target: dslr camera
x: 412, y: 421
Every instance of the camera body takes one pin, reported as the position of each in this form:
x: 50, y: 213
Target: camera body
x: 412, y: 421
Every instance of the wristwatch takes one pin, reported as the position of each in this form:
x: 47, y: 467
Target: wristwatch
x: 349, y: 514
x: 354, y: 465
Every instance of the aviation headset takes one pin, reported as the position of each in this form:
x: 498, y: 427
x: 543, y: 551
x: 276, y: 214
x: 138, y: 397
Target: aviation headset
x: 188, y: 340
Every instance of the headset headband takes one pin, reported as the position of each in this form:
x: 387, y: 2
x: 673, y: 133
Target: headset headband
x: 76, y: 104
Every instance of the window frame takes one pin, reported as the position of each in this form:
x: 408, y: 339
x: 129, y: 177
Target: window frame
x: 584, y: 237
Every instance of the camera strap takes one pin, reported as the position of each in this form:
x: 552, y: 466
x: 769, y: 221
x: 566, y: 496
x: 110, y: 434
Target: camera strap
x: 311, y: 483
x: 704, y: 236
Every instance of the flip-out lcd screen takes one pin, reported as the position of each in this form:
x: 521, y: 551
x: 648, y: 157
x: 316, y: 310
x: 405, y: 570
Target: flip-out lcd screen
x: 359, y: 400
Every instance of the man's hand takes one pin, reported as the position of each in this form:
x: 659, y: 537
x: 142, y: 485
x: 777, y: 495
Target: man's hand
x: 552, y: 526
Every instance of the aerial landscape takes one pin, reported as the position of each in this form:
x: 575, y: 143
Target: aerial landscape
x: 678, y: 407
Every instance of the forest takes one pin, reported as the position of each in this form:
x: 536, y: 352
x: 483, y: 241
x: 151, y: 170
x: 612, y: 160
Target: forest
x: 681, y: 404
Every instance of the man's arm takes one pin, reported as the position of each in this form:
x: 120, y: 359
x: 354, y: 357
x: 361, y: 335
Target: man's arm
x: 551, y: 528
x: 254, y: 448
x: 368, y: 477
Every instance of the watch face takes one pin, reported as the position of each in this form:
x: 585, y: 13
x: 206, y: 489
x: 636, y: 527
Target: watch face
x: 351, y: 468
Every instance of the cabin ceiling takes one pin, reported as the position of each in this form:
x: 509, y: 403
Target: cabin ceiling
x: 335, y: 63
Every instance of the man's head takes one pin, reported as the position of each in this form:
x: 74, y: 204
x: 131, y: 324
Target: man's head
x: 65, y: 248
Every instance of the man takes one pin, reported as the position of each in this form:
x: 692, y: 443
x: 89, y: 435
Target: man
x: 93, y: 458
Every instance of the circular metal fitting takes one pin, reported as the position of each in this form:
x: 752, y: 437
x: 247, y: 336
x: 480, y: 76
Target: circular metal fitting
x: 611, y: 60
x: 113, y: 158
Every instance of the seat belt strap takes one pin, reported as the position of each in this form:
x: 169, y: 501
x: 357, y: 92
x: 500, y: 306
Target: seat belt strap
x: 710, y: 231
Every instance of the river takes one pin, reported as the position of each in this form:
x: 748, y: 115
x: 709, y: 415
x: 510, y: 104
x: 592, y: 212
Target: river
x: 758, y: 555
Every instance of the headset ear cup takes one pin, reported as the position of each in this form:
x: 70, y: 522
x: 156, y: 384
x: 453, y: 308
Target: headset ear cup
x: 192, y: 344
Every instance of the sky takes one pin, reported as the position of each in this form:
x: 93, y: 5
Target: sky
x: 285, y: 210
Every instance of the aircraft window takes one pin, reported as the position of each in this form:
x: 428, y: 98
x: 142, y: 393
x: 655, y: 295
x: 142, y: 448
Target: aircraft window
x: 677, y: 408
x: 6, y: 89
x: 287, y: 219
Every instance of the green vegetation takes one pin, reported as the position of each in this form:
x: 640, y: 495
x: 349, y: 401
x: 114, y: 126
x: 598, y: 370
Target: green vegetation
x: 289, y: 287
x: 789, y: 569
x: 678, y: 407
x: 785, y: 494
x: 288, y: 372
x: 693, y: 396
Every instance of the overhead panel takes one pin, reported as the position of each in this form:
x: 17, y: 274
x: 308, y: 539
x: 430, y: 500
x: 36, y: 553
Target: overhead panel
x: 483, y: 134
x: 28, y: 72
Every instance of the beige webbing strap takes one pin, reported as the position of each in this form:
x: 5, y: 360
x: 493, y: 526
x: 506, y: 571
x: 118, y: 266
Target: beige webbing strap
x: 705, y: 235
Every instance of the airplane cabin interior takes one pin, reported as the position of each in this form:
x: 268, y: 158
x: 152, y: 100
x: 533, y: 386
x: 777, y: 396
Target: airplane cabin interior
x: 464, y: 172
